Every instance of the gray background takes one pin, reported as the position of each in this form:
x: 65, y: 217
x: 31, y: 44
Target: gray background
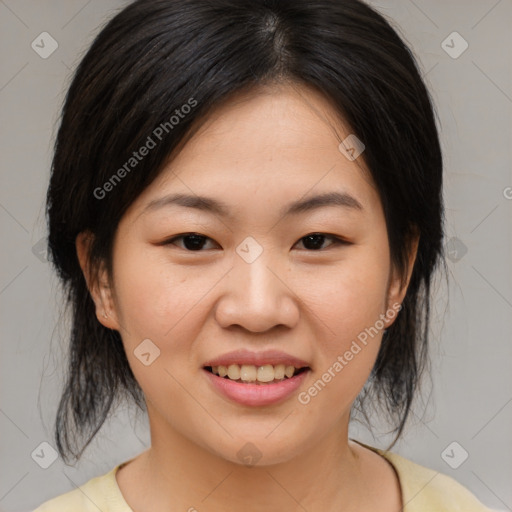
x: 471, y: 401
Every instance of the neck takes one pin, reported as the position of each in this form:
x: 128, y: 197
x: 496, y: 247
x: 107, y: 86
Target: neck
x: 180, y: 475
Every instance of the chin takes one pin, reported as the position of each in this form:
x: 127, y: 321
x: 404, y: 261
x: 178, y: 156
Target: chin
x: 258, y: 450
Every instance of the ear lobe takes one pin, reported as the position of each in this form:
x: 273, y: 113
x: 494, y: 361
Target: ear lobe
x: 98, y: 285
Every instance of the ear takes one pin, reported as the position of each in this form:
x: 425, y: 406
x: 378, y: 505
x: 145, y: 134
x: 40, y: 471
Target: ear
x: 398, y: 284
x: 98, y: 286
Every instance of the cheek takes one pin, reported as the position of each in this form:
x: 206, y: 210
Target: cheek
x: 162, y: 304
x: 155, y: 299
x: 347, y: 301
x: 348, y: 298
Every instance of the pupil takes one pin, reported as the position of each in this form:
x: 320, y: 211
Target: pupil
x: 197, y: 242
x: 317, y: 241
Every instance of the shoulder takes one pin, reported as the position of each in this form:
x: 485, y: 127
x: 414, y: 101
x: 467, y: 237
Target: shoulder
x: 100, y: 494
x: 424, y: 489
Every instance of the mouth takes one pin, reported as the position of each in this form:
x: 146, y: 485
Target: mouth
x: 259, y: 375
x: 256, y: 378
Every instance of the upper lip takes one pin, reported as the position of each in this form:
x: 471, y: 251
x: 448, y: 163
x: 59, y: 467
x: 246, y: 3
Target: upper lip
x: 243, y: 356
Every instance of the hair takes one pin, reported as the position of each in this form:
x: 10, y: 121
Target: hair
x: 156, y: 56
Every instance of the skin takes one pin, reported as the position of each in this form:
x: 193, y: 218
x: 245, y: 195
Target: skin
x: 257, y: 153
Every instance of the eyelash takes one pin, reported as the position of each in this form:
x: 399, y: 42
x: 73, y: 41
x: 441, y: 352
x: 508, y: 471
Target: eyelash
x: 337, y: 241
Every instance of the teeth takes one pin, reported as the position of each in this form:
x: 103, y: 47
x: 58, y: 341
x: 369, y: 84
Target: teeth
x: 248, y: 373
x: 252, y: 373
x: 279, y: 371
x: 288, y: 371
x: 266, y: 373
x: 234, y: 371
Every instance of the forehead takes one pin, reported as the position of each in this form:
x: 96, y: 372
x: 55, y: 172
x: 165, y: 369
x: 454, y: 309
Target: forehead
x: 270, y: 146
x: 291, y: 118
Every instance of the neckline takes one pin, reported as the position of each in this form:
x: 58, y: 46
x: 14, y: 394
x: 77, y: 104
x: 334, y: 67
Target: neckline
x: 119, y: 497
x: 389, y: 457
x: 393, y: 460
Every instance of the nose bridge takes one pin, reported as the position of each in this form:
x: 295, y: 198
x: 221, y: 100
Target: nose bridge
x: 256, y: 280
x: 251, y: 265
x: 256, y: 296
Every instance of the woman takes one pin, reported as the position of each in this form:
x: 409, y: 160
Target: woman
x: 246, y: 210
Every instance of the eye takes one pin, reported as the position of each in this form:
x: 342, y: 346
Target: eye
x: 191, y: 241
x: 195, y: 242
x: 314, y: 241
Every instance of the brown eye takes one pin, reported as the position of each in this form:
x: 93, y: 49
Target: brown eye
x: 191, y: 241
x: 315, y: 241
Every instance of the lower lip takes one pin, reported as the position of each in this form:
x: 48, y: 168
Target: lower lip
x: 256, y: 394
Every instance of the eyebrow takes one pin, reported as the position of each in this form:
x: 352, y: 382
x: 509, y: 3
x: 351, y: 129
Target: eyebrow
x: 209, y: 204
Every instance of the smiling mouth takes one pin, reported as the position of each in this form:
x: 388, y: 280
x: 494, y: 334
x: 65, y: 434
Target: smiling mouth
x: 251, y: 374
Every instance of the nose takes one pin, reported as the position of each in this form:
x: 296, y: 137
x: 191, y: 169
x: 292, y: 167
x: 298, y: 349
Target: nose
x: 257, y: 296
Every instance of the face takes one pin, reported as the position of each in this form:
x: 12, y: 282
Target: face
x: 311, y: 287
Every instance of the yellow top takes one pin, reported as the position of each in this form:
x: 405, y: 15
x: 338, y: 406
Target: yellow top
x: 423, y: 490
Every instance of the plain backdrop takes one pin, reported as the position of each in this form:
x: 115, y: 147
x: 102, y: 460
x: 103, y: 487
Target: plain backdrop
x: 470, y: 400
